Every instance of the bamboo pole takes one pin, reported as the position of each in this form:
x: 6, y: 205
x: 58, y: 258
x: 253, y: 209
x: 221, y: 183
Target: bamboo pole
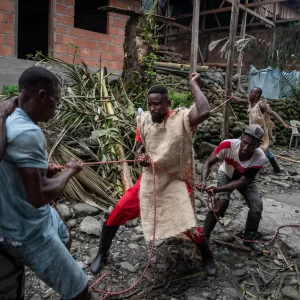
x: 195, y: 35
x: 229, y: 69
x: 241, y: 53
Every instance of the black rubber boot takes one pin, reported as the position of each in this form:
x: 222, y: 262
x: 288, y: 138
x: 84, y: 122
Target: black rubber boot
x: 207, y: 257
x: 209, y: 224
x: 251, y: 228
x: 274, y: 164
x: 107, y: 235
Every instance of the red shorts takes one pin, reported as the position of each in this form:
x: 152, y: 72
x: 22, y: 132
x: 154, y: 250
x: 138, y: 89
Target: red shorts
x: 128, y: 208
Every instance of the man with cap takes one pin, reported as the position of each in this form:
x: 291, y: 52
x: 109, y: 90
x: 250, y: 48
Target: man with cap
x: 242, y: 159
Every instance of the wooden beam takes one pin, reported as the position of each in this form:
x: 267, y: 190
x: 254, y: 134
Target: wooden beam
x: 195, y: 36
x: 253, y: 13
x: 241, y: 52
x: 224, y: 9
x: 228, y: 27
x: 206, y: 12
x: 287, y: 20
x: 274, y: 12
x: 264, y: 2
x: 128, y: 12
x: 208, y: 30
x: 229, y: 70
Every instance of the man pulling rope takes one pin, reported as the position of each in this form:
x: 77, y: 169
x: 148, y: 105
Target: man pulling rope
x: 167, y: 137
x: 242, y: 160
x: 31, y: 232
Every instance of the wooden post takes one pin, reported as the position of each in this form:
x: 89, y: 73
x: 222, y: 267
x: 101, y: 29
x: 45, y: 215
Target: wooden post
x: 166, y: 25
x: 229, y: 69
x: 195, y: 35
x: 241, y: 53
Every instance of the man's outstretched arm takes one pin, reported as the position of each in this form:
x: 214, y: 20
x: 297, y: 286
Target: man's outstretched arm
x: 202, y: 108
x: 238, y: 100
x: 266, y: 109
x: 6, y: 108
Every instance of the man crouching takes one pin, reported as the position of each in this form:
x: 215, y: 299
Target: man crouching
x: 242, y: 160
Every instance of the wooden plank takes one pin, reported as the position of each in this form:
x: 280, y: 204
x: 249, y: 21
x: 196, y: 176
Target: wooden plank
x: 241, y: 53
x: 265, y: 2
x: 228, y: 27
x: 129, y: 12
x: 253, y: 13
x: 287, y: 20
x: 206, y: 12
x: 16, y: 28
x: 195, y: 36
x: 229, y: 70
x: 51, y: 28
x: 274, y: 12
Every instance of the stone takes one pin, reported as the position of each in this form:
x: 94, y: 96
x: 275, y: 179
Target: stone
x: 72, y: 223
x: 290, y: 293
x: 37, y: 297
x: 198, y: 195
x: 198, y: 203
x: 239, y: 272
x: 127, y: 266
x: 235, y: 78
x: 132, y: 223
x: 137, y: 237
x: 133, y: 246
x: 296, y: 178
x: 194, y: 298
x: 65, y: 211
x: 132, y: 281
x: 93, y: 251
x: 237, y: 132
x: 48, y: 293
x: 83, y: 209
x: 283, y: 184
x: 231, y: 292
x: 90, y: 225
x: 206, y: 148
x: 225, y: 237
x: 201, y: 218
x: 158, y: 243
x: 198, y: 168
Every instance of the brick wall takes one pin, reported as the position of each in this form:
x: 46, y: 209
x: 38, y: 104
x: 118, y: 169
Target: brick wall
x: 6, y: 28
x: 91, y: 44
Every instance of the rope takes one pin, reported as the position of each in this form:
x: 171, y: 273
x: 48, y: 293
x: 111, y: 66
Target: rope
x: 212, y: 201
x: 92, y: 286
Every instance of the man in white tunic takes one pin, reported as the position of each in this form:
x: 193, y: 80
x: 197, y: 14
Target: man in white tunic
x: 167, y: 137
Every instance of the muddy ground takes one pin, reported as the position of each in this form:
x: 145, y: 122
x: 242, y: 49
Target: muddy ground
x: 176, y: 272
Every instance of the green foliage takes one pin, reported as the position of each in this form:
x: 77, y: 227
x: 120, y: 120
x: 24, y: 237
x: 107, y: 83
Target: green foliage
x: 35, y: 57
x: 148, y: 62
x: 182, y: 99
x: 8, y: 90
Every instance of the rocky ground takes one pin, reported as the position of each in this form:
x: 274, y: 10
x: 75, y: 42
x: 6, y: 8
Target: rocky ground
x: 176, y: 271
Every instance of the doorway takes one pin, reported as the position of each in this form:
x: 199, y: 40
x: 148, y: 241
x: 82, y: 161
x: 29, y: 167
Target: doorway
x: 33, y: 27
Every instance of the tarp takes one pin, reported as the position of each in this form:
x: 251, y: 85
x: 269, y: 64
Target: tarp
x: 273, y: 82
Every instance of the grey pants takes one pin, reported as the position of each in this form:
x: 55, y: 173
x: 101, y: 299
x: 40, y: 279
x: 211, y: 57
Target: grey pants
x: 250, y: 192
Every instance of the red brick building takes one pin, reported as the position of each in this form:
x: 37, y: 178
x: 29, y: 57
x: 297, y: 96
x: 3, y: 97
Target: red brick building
x: 51, y: 26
